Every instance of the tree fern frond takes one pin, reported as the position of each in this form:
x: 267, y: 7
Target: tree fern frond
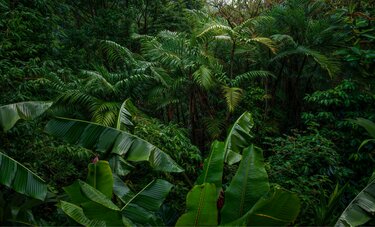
x: 105, y: 113
x: 116, y: 52
x: 203, y: 76
x: 262, y: 40
x: 214, y: 126
x: 331, y: 66
x: 217, y: 29
x: 240, y: 79
x: 232, y: 96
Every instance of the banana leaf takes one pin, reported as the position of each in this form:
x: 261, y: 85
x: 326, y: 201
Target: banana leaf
x: 119, y: 166
x: 100, y: 177
x: 140, y: 207
x: 201, y: 207
x: 239, y: 137
x: 10, y: 114
x: 16, y: 176
x: 277, y: 208
x: 248, y: 185
x: 213, y: 166
x: 109, y: 141
x: 361, y: 209
x: 76, y: 213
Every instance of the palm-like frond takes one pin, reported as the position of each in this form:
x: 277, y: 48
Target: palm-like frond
x: 116, y: 52
x: 331, y: 66
x: 251, y: 75
x: 232, y: 96
x: 203, y: 76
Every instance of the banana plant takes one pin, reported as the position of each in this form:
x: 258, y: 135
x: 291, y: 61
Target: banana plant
x: 361, y: 209
x: 116, y: 144
x: 12, y: 173
x: 90, y: 203
x: 248, y: 200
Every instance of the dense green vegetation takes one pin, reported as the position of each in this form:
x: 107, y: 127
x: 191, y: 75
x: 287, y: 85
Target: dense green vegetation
x: 187, y: 112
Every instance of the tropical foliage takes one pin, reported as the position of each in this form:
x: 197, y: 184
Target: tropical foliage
x: 189, y: 112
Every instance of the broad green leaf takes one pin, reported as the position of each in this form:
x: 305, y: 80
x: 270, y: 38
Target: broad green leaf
x: 277, y: 208
x: 119, y: 166
x: 10, y: 114
x: 238, y: 138
x: 213, y: 166
x: 108, y: 140
x: 75, y: 194
x: 361, y: 209
x: 121, y: 190
x: 16, y: 176
x: 96, y: 196
x: 100, y: 177
x: 76, y: 213
x: 248, y: 185
x: 201, y: 207
x: 140, y: 207
x: 99, y: 212
x: 124, y: 119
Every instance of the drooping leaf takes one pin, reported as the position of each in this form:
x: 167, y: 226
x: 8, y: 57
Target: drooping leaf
x: 248, y: 185
x: 106, y: 140
x: 201, y: 207
x: 277, y: 208
x: 361, y: 209
x: 76, y: 213
x: 10, y: 114
x: 100, y: 177
x: 239, y: 137
x: 213, y: 166
x: 16, y: 176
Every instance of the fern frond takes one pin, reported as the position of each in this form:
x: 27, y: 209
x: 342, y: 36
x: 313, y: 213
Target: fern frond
x: 251, y: 75
x: 262, y: 40
x: 232, y: 96
x: 116, y: 52
x: 203, y: 76
x: 105, y: 113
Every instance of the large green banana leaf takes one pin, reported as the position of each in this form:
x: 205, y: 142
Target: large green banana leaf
x: 361, y: 209
x: 277, y: 208
x: 140, y: 207
x: 100, y: 177
x: 106, y: 140
x: 248, y: 185
x: 16, y: 176
x: 201, y: 207
x: 76, y: 213
x: 213, y: 166
x: 239, y: 137
x: 91, y: 206
x: 10, y: 114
